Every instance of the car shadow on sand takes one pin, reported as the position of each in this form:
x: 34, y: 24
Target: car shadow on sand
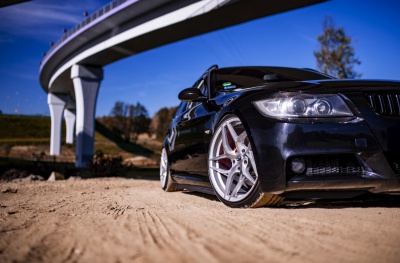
x: 363, y: 201
x: 202, y: 195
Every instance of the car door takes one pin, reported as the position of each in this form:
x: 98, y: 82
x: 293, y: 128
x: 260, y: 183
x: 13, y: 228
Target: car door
x: 189, y: 155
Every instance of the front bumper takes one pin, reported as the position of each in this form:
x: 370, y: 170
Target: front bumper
x: 276, y: 143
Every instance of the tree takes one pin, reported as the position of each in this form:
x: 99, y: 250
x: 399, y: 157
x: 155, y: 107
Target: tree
x: 130, y: 120
x: 140, y: 120
x: 161, y: 120
x: 121, y: 122
x: 1, y: 112
x: 336, y: 55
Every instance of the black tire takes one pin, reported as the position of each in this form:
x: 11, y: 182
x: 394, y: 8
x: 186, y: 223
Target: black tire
x: 232, y: 169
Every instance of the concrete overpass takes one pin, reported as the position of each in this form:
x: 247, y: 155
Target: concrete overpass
x: 4, y: 3
x: 71, y: 71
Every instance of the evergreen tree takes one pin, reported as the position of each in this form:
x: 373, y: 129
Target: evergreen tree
x: 336, y: 55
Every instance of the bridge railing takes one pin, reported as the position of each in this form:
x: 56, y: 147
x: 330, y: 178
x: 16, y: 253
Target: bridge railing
x: 90, y: 18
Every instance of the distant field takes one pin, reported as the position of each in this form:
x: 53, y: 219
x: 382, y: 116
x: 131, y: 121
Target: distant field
x: 25, y: 129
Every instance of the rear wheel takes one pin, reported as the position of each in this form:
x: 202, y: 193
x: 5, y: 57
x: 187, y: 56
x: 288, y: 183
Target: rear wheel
x: 232, y: 167
x: 165, y: 173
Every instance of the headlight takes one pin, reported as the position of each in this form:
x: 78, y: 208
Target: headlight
x: 297, y: 105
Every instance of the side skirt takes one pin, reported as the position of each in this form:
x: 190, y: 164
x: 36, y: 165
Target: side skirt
x: 195, y: 188
x: 193, y: 182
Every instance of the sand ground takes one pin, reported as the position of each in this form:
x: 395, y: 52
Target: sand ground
x: 132, y: 220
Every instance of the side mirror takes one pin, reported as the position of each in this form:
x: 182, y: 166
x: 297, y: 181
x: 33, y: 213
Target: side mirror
x: 191, y: 94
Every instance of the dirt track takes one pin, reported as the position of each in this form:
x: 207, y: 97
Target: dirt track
x: 126, y: 220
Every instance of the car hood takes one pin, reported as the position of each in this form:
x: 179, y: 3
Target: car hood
x: 358, y: 84
x: 327, y: 86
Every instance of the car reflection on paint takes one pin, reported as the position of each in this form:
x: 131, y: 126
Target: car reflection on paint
x: 255, y: 135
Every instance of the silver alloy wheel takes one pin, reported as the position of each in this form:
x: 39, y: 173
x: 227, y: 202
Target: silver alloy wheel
x: 163, y: 168
x: 232, y: 168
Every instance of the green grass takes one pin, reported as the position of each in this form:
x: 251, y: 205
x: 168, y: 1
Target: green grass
x: 103, y: 134
x: 35, y: 130
x: 25, y: 127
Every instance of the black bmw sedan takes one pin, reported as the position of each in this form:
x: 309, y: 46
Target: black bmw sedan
x: 255, y: 135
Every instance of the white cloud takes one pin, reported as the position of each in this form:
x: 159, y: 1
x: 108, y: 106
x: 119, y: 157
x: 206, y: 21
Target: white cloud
x: 45, y: 16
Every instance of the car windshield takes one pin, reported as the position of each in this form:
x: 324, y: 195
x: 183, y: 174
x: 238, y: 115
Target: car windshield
x: 245, y: 77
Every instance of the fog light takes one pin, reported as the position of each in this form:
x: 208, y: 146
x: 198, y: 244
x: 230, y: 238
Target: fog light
x: 298, y: 165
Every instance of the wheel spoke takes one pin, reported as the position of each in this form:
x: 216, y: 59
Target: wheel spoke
x: 225, y: 143
x: 232, y: 131
x: 253, y: 162
x: 239, y: 185
x: 229, y: 180
x: 249, y: 177
x: 221, y: 171
x: 240, y: 143
x: 219, y: 157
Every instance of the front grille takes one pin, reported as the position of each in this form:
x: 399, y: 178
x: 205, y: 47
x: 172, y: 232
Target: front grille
x: 332, y: 165
x: 329, y: 165
x: 385, y: 103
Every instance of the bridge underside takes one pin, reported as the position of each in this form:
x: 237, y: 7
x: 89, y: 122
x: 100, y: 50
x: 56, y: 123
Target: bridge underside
x: 4, y: 3
x: 139, y: 27
x: 232, y: 13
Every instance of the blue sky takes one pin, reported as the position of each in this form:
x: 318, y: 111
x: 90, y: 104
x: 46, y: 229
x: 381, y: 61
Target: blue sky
x: 154, y: 78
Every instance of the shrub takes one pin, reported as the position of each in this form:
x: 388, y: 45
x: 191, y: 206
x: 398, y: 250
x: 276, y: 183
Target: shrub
x: 103, y: 166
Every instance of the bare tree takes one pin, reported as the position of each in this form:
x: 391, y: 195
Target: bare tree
x: 121, y: 121
x: 161, y: 120
x: 140, y: 120
x: 130, y: 120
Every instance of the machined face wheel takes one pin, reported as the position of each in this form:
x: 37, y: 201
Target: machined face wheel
x: 232, y: 167
x: 163, y: 168
x: 165, y: 174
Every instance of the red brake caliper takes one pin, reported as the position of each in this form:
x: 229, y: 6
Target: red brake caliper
x: 226, y: 162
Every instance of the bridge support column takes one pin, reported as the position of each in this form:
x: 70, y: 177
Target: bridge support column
x: 86, y: 85
x: 69, y: 117
x: 56, y: 104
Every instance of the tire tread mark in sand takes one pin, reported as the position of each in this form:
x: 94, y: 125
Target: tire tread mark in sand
x: 189, y: 232
x: 193, y: 239
x: 145, y: 229
x: 154, y: 230
x: 220, y: 249
x: 162, y: 227
x: 177, y: 238
x: 116, y: 210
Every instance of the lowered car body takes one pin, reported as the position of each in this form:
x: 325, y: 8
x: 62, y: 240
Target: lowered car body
x: 255, y: 135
